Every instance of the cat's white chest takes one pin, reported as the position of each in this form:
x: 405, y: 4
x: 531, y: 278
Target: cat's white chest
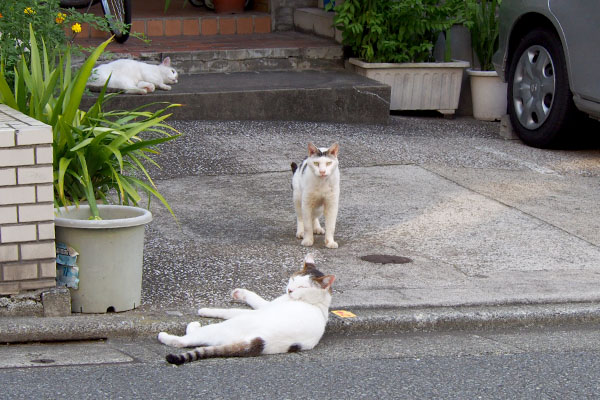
x: 321, y: 189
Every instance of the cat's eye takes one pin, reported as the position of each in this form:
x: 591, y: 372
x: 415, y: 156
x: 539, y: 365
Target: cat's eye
x: 329, y: 162
x: 316, y: 163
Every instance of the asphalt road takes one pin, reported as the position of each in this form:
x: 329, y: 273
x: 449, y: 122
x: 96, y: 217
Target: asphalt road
x: 535, y: 363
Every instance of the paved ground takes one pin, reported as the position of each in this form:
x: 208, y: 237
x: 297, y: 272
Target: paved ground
x: 487, y: 223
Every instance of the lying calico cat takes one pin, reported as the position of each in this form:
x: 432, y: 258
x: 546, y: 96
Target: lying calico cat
x: 292, y: 322
x: 133, y: 77
x: 316, y: 185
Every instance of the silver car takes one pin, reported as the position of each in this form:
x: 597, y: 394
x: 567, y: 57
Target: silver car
x: 549, y: 53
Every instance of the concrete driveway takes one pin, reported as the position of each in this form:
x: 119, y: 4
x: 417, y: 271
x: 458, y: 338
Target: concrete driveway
x: 484, y: 220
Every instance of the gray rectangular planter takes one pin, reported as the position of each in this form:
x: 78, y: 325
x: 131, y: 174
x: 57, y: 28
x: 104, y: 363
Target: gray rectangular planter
x: 418, y: 86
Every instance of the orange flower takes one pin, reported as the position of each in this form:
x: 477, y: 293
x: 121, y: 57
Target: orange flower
x: 60, y: 18
x: 76, y: 27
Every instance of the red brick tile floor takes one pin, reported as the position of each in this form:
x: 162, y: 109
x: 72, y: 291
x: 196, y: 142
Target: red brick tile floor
x: 154, y: 9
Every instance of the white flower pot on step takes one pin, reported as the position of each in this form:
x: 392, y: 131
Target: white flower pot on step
x: 488, y: 93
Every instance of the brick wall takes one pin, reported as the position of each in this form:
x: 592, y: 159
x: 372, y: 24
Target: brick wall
x: 27, y: 252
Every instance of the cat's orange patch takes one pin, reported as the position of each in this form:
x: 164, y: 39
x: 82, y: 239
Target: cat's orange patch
x: 344, y: 314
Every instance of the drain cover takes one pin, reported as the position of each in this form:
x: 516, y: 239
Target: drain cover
x: 385, y: 259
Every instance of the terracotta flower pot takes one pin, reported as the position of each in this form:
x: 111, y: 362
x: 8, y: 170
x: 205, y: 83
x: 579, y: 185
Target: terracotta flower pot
x: 229, y: 6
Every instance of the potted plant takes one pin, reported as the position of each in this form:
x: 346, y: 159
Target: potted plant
x: 98, y: 155
x: 487, y: 90
x: 392, y: 42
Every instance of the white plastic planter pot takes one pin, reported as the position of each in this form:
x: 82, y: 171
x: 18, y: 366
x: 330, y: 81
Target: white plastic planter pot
x: 489, y: 95
x: 418, y: 86
x: 110, y: 255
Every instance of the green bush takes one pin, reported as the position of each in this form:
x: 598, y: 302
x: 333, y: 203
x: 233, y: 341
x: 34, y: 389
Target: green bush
x: 481, y: 18
x: 56, y: 26
x: 97, y: 154
x: 394, y: 30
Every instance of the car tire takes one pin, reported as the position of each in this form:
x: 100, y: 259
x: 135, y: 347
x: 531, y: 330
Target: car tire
x: 540, y: 102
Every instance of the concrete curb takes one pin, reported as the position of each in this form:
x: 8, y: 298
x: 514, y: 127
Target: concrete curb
x: 465, y: 318
x: 135, y: 324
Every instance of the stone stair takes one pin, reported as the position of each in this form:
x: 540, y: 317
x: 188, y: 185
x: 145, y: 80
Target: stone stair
x: 292, y: 75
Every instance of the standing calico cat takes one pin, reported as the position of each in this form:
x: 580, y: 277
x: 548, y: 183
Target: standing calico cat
x: 293, y: 322
x: 316, y: 185
x: 133, y: 77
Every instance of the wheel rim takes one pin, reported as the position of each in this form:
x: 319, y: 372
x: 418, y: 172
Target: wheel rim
x: 534, y: 87
x: 114, y: 12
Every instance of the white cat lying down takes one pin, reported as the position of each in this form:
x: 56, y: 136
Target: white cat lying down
x: 133, y: 77
x: 292, y: 322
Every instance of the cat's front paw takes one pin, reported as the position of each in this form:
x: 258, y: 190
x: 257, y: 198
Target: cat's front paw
x: 162, y: 337
x: 330, y: 244
x: 191, y: 327
x: 307, y: 242
x: 207, y: 313
x: 319, y: 231
x: 169, y: 340
x: 299, y: 234
x: 239, y: 294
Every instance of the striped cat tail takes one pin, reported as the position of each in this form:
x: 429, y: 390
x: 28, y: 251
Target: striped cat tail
x: 252, y: 348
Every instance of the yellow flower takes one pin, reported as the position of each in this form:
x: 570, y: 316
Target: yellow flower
x: 76, y: 27
x: 60, y: 18
x: 29, y: 11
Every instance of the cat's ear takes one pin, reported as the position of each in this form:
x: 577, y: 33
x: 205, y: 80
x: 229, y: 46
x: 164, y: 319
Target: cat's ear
x: 326, y: 281
x: 334, y: 150
x: 312, y: 149
x: 309, y: 259
x: 167, y: 62
x: 309, y: 263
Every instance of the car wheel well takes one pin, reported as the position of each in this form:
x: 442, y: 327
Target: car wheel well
x: 524, y: 25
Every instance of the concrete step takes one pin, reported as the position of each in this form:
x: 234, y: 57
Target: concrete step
x: 250, y: 60
x: 326, y: 96
x: 232, y: 53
